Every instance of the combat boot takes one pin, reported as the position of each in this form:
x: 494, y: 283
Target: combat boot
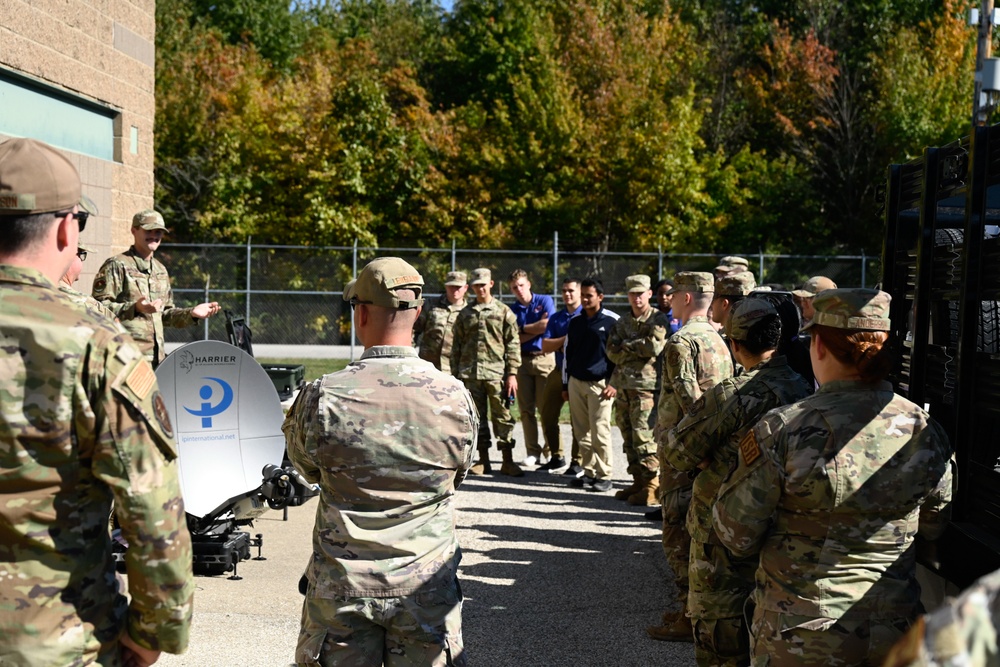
x: 647, y: 493
x: 508, y: 467
x: 623, y: 494
x: 482, y: 466
x: 676, y: 627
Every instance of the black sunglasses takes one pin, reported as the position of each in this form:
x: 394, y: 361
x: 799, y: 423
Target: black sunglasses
x: 82, y: 254
x: 79, y: 216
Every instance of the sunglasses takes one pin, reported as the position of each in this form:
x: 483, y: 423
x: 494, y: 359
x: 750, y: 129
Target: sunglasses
x: 79, y: 216
x: 82, y: 254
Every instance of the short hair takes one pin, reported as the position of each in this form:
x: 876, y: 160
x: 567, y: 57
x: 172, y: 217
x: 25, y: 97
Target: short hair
x: 567, y: 281
x: 763, y: 335
x: 593, y: 282
x: 516, y: 274
x: 701, y: 299
x: 24, y: 231
x: 661, y: 283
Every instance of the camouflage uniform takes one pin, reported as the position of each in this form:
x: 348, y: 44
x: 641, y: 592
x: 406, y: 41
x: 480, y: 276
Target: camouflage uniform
x: 634, y: 345
x: 85, y: 425
x: 124, y: 279
x: 88, y: 302
x: 388, y: 439
x: 435, y: 328
x: 485, y: 350
x: 831, y: 492
x: 720, y: 584
x: 961, y: 633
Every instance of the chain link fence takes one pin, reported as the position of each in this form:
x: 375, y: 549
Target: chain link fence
x: 292, y: 295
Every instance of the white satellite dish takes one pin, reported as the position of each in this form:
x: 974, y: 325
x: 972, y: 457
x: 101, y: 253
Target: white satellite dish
x: 227, y: 420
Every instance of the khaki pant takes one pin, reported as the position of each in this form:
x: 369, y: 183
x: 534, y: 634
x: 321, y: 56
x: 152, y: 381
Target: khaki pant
x: 552, y: 403
x: 591, y: 417
x: 531, y: 378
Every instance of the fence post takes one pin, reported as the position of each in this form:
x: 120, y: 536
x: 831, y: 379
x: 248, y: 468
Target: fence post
x: 760, y: 252
x: 208, y: 282
x: 555, y: 263
x: 453, y: 255
x: 248, y: 282
x: 864, y: 266
x: 354, y: 274
x: 659, y: 262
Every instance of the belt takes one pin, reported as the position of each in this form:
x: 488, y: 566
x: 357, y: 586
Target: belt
x: 534, y: 353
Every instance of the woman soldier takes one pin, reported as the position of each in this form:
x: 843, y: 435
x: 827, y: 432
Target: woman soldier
x: 832, y: 492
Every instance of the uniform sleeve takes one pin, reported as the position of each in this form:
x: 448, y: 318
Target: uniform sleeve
x: 512, y: 342
x: 457, y: 343
x: 470, y: 441
x: 109, y: 287
x: 747, y: 500
x: 653, y: 339
x: 682, y: 373
x: 297, y: 427
x: 935, y: 511
x: 702, y: 430
x: 137, y: 458
x: 614, y: 348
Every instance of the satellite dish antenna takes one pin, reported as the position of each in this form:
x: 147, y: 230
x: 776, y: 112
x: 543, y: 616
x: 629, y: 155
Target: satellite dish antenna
x: 227, y: 421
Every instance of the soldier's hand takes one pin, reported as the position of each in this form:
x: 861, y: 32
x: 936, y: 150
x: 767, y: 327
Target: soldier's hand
x: 148, y: 307
x: 608, y: 393
x: 203, y: 310
x: 510, y: 386
x: 134, y: 655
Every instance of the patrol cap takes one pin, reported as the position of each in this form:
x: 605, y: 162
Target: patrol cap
x: 481, y: 277
x: 378, y: 281
x: 732, y: 264
x: 637, y: 283
x: 863, y: 309
x: 693, y: 281
x: 735, y: 284
x: 149, y: 220
x: 455, y: 278
x: 36, y: 178
x: 745, y: 315
x: 814, y: 286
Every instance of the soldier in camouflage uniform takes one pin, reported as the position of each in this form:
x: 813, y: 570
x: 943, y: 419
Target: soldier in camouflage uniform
x: 961, y: 633
x: 388, y: 439
x: 694, y: 360
x: 71, y: 276
x: 730, y: 265
x: 84, y: 425
x: 729, y: 290
x: 634, y: 346
x: 485, y: 354
x: 705, y: 444
x: 831, y: 493
x: 135, y: 286
x: 434, y: 327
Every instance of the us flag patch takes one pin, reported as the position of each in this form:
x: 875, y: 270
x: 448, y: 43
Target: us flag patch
x: 749, y: 449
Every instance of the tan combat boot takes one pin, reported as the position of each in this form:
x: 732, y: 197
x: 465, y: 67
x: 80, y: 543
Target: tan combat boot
x: 508, y: 467
x: 676, y: 627
x: 647, y: 493
x: 482, y: 466
x: 623, y: 494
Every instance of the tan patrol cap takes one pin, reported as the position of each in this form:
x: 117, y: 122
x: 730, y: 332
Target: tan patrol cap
x: 149, y: 220
x: 745, y: 315
x: 637, y: 283
x: 481, y: 277
x: 378, y: 281
x: 735, y: 284
x: 36, y: 178
x: 693, y: 281
x: 814, y: 286
x: 455, y: 278
x: 862, y: 309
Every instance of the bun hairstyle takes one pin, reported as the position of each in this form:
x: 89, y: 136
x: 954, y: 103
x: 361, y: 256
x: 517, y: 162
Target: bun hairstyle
x: 869, y: 352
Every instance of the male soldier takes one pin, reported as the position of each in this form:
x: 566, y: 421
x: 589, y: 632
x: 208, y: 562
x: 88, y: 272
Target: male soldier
x: 552, y: 402
x: 435, y: 324
x: 804, y: 295
x: 71, y: 275
x: 695, y: 360
x: 485, y: 354
x: 731, y: 264
x: 135, y: 286
x: 537, y: 366
x: 634, y: 345
x: 706, y: 440
x: 388, y: 439
x: 728, y: 292
x: 587, y: 385
x: 83, y: 425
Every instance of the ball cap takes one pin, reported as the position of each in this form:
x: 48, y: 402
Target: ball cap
x: 148, y: 220
x: 455, y: 279
x: 377, y: 284
x: 36, y: 178
x: 814, y: 286
x: 745, y: 315
x: 637, y: 283
x: 735, y: 284
x: 862, y: 309
x: 693, y: 281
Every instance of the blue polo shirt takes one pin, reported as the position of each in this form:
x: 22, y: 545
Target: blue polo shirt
x: 559, y: 326
x: 539, y: 308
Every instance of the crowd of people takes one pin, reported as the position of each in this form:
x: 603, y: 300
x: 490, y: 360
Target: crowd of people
x: 791, y: 482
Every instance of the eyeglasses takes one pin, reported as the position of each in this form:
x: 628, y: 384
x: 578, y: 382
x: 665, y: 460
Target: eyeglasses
x: 82, y: 254
x: 355, y: 301
x: 79, y: 216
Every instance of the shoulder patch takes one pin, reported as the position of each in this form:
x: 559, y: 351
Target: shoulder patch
x: 100, y: 283
x: 749, y: 449
x: 141, y: 380
x: 162, y: 416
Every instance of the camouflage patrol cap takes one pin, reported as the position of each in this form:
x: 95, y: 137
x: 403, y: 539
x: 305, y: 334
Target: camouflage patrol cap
x: 862, y: 309
x: 693, y: 281
x: 36, y: 178
x: 745, y: 315
x: 735, y: 284
x: 481, y: 277
x: 455, y: 278
x: 149, y: 220
x: 82, y: 248
x: 814, y: 286
x: 732, y: 264
x: 637, y: 283
x: 378, y: 281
